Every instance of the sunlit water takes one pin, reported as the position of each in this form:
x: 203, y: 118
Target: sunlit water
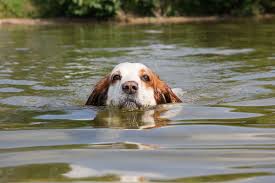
x: 224, y: 130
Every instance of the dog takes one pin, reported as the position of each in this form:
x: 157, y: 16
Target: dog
x: 131, y: 86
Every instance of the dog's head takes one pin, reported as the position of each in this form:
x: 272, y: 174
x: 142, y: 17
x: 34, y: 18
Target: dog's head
x: 131, y: 85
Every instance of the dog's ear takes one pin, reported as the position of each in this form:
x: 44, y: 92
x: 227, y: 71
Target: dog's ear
x: 98, y: 96
x: 163, y: 93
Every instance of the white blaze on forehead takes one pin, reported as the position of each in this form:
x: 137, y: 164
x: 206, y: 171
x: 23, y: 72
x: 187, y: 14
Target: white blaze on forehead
x: 129, y: 71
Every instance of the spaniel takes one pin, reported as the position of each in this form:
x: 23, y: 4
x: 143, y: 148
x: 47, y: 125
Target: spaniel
x: 131, y: 86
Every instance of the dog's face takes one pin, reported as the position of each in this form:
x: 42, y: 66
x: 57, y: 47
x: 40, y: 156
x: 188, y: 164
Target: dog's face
x: 132, y: 86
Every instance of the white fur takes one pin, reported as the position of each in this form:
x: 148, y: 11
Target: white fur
x: 130, y: 72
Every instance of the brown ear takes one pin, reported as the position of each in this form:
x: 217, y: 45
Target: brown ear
x: 163, y: 93
x: 166, y: 95
x: 99, y: 95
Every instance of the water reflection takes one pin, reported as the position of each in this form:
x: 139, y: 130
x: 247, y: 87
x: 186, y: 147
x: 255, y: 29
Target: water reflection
x: 107, y: 117
x: 224, y: 130
x: 159, y: 116
x: 60, y: 172
x: 115, y: 118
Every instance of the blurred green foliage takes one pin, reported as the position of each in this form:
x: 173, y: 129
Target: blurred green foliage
x: 221, y: 7
x: 139, y: 7
x: 16, y: 8
x: 77, y: 8
x: 109, y: 8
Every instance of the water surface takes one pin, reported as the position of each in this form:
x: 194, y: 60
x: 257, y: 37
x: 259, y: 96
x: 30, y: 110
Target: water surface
x: 224, y: 130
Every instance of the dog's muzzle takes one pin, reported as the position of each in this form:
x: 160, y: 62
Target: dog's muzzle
x: 130, y: 103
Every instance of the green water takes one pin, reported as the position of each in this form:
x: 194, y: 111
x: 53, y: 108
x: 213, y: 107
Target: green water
x: 224, y: 130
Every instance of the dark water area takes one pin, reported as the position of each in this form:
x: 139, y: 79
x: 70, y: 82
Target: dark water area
x: 223, y: 130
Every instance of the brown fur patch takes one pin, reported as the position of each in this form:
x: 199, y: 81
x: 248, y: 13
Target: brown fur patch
x: 98, y: 96
x: 163, y: 93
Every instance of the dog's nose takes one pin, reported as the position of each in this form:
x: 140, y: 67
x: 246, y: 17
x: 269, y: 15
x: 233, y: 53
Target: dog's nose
x: 130, y: 87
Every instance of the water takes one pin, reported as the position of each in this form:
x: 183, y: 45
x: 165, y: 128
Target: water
x: 224, y: 130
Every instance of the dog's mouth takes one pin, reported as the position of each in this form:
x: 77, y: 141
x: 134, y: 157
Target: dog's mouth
x: 130, y: 103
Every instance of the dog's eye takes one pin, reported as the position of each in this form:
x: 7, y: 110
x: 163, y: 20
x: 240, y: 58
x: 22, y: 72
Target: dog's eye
x: 116, y: 77
x: 145, y: 77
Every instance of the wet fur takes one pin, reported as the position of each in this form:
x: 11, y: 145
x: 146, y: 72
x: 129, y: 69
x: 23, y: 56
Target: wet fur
x: 162, y: 92
x: 98, y: 96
